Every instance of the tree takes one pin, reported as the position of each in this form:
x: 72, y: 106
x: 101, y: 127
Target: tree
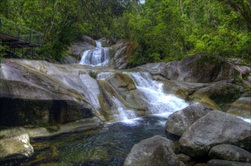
x: 242, y: 7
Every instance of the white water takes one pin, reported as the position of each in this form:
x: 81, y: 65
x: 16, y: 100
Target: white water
x: 99, y: 56
x: 104, y: 75
x: 159, y: 103
x: 124, y: 114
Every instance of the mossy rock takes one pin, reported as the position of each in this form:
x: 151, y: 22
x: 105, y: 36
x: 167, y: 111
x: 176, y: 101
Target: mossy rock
x: 122, y: 81
x: 241, y: 107
x: 209, y: 103
x: 221, y: 93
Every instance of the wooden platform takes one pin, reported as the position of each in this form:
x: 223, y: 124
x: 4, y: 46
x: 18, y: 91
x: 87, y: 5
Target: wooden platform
x: 17, y: 36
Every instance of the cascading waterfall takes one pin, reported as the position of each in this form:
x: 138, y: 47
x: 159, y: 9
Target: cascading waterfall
x: 158, y: 101
x: 99, y: 56
x: 124, y: 114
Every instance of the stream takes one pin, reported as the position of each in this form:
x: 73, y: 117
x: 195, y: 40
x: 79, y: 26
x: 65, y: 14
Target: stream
x: 105, y: 146
x: 110, y: 144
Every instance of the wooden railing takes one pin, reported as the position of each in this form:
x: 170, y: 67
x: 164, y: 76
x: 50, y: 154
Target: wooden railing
x: 18, y: 35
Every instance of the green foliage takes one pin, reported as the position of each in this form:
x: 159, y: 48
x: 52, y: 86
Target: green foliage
x: 164, y: 30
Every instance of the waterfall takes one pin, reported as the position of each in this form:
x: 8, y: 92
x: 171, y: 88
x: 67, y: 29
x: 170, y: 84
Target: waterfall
x: 152, y: 92
x: 123, y: 114
x: 104, y: 75
x: 99, y: 56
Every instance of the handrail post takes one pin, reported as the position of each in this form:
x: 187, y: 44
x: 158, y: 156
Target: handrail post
x: 30, y: 36
x: 18, y: 33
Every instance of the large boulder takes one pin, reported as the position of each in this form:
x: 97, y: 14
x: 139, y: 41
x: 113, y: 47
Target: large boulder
x: 241, y: 107
x: 153, y: 151
x: 118, y: 91
x: 226, y: 163
x: 230, y: 152
x: 15, y: 147
x: 212, y: 129
x: 178, y: 122
x: 201, y: 68
x: 40, y: 93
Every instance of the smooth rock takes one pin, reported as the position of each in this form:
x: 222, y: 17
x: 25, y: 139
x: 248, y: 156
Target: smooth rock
x: 153, y: 151
x: 178, y: 122
x: 215, y: 128
x: 230, y: 152
x: 15, y: 147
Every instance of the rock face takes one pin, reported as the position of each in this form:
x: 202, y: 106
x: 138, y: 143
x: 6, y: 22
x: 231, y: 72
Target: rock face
x: 120, y: 53
x: 151, y: 152
x: 16, y: 147
x: 241, y: 107
x: 230, y: 152
x: 39, y: 93
x: 178, y: 122
x: 201, y: 68
x: 213, y: 129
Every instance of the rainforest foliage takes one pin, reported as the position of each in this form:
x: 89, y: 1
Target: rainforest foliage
x: 161, y: 30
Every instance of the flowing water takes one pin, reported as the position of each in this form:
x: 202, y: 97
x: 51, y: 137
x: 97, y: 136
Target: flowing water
x: 108, y: 145
x: 153, y: 93
x: 98, y: 56
x: 105, y: 146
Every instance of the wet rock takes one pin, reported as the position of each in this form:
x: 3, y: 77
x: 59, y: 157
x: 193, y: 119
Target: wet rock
x: 153, y: 151
x: 182, y: 89
x: 37, y: 132
x: 215, y: 128
x: 230, y: 152
x: 121, y: 82
x: 15, y: 147
x: 178, y: 122
x: 226, y: 163
x: 241, y: 107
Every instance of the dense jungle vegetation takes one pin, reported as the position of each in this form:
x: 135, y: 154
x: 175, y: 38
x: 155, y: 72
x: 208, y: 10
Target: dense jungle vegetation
x: 160, y: 30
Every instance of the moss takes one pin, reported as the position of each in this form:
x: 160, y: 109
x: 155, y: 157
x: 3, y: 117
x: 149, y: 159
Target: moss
x: 52, y: 129
x: 93, y: 74
x: 2, y: 136
x: 53, y: 152
x: 210, y: 103
x: 239, y: 80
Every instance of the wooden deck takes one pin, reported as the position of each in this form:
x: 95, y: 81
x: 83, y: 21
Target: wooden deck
x: 17, y: 36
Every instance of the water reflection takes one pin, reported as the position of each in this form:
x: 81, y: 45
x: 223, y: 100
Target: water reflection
x: 106, y: 146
